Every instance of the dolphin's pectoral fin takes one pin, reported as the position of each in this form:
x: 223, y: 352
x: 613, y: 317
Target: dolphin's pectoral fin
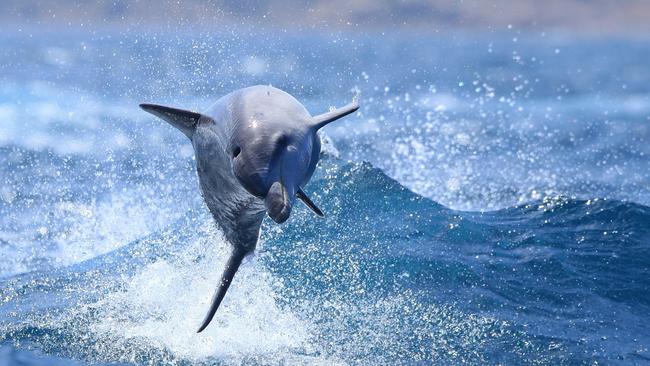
x: 185, y: 121
x: 303, y: 197
x: 232, y: 266
x: 325, y: 118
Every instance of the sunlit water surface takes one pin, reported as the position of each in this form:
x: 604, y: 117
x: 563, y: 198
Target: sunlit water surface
x: 488, y: 204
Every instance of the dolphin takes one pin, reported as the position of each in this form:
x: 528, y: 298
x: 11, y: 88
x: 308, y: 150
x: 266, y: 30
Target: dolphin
x: 256, y: 148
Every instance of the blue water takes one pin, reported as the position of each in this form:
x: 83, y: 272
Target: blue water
x: 488, y: 204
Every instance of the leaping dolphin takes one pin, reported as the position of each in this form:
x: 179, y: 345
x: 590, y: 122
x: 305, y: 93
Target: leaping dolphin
x: 255, y: 149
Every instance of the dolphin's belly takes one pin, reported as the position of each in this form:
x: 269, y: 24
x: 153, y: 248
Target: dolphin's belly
x: 238, y: 213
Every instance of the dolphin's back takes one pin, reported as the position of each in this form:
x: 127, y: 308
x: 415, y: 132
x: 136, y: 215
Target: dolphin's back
x: 243, y: 104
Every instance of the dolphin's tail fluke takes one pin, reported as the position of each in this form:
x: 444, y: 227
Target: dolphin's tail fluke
x: 232, y: 266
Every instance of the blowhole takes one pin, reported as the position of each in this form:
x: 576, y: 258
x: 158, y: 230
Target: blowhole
x: 236, y: 151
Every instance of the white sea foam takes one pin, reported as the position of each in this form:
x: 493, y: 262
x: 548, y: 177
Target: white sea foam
x: 73, y: 231
x: 164, y: 303
x: 154, y: 316
x: 101, y: 226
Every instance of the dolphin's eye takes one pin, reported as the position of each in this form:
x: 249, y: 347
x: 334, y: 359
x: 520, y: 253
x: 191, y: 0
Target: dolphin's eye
x: 236, y: 151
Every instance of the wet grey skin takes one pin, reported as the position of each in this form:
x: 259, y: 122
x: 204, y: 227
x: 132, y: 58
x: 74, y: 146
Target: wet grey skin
x: 255, y: 149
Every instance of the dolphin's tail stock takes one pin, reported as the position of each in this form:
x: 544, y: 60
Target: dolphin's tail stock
x: 232, y: 266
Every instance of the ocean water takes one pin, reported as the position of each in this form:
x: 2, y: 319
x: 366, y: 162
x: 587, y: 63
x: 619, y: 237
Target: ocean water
x: 488, y: 204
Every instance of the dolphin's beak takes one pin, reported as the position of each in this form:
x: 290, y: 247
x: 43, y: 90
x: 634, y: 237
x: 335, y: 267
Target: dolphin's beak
x: 278, y: 202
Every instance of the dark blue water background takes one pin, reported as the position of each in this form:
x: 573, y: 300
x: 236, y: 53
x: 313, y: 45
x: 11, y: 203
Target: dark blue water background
x: 488, y: 204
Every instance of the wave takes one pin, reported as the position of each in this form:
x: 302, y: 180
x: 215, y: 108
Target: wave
x: 387, y: 276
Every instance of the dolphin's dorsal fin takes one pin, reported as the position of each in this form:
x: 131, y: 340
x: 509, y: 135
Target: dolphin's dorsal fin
x: 325, y: 118
x: 185, y: 121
